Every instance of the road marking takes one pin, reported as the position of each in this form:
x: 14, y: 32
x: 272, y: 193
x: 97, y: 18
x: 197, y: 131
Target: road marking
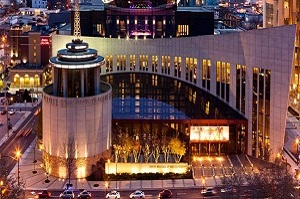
x: 181, y: 193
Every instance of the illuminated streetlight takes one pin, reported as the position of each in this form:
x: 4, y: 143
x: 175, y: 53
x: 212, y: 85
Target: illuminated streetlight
x: 18, y: 155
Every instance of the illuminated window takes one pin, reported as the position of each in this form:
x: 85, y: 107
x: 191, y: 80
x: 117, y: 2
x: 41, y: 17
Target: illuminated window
x: 154, y: 63
x: 206, y: 66
x: 191, y: 69
x: 34, y: 54
x: 240, y: 87
x: 177, y: 66
x: 109, y: 63
x: 165, y: 64
x: 132, y: 62
x: 143, y: 62
x: 121, y: 62
x: 261, y: 112
x: 223, y: 79
x: 183, y: 30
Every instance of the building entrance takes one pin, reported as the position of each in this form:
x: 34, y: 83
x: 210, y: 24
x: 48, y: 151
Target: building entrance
x: 209, y: 148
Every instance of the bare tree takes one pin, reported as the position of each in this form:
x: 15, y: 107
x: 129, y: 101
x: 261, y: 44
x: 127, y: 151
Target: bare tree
x: 70, y: 161
x: 156, y: 152
x: 117, y: 151
x: 166, y: 150
x: 136, y: 150
x: 126, y: 148
x: 147, y: 152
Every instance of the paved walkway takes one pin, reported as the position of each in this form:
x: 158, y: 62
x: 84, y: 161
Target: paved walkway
x: 37, y: 182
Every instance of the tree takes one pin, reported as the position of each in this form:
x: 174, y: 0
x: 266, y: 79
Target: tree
x: 166, y: 150
x: 70, y: 161
x: 156, y: 152
x: 117, y: 151
x: 136, y: 150
x: 10, y: 187
x: 272, y: 182
x: 147, y: 152
x: 234, y: 182
x: 177, y: 147
x: 126, y: 148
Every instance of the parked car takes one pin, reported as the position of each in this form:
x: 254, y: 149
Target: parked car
x: 137, y: 194
x: 12, y: 111
x: 67, y: 194
x: 3, y: 112
x: 166, y: 193
x: 84, y: 194
x: 209, y: 191
x: 113, y: 194
x: 228, y: 190
x: 44, y: 194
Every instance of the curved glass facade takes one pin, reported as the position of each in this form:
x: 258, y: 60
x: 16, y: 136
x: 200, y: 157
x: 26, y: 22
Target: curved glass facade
x: 147, y: 96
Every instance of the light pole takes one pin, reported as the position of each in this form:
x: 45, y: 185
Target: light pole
x: 18, y: 155
x: 16, y: 158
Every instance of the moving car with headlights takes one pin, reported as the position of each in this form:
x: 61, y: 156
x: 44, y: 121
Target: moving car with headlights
x: 85, y: 194
x: 166, y: 193
x: 209, y: 191
x: 67, y: 194
x: 137, y: 194
x: 44, y: 194
x: 113, y: 195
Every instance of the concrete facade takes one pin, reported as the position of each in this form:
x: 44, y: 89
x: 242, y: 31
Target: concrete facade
x: 270, y: 49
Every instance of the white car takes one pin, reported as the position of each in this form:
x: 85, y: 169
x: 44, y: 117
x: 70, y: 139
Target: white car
x: 11, y: 112
x: 84, y: 194
x: 67, y: 194
x: 113, y: 195
x: 137, y: 194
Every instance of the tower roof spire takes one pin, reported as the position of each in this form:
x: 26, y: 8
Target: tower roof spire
x: 77, y: 32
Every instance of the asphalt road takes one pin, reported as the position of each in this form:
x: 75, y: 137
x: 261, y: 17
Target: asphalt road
x: 191, y: 193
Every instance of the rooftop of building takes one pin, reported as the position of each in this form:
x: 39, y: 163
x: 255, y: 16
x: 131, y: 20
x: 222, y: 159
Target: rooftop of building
x: 28, y: 66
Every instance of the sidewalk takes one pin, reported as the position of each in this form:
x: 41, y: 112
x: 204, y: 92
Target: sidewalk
x: 36, y: 182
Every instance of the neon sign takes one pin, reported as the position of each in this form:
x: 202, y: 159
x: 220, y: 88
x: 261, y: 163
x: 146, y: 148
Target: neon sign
x: 44, y: 42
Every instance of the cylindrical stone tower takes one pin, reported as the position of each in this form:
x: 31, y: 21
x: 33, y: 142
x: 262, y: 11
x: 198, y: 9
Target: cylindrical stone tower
x: 77, y: 112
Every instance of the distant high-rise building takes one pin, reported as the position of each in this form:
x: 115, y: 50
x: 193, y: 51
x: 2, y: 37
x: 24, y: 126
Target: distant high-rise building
x: 285, y: 12
x: 39, y: 4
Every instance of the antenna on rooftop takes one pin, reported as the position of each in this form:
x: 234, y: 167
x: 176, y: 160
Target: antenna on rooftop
x: 77, y: 32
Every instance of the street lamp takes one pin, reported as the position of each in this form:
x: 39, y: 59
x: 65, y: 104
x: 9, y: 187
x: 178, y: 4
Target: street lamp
x: 18, y: 155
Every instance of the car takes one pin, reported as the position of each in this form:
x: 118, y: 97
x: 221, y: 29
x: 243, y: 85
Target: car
x: 113, y: 194
x: 85, y: 194
x: 12, y: 111
x: 67, y: 194
x: 209, y: 191
x: 166, y: 193
x: 3, y: 112
x: 228, y: 190
x: 44, y: 194
x: 137, y: 194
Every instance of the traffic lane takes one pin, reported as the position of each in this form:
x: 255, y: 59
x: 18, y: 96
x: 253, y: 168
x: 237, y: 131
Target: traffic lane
x: 190, y: 193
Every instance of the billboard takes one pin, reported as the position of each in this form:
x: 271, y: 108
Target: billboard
x: 209, y: 133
